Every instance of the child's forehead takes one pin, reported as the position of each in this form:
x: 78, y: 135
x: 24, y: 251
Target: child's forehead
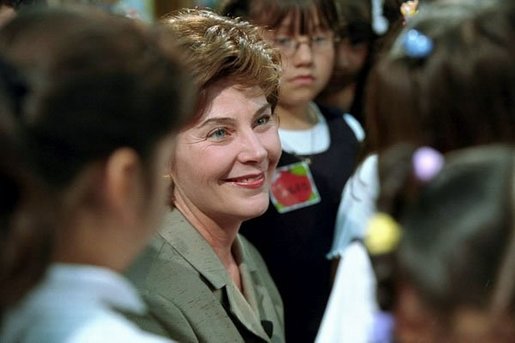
x: 301, y: 22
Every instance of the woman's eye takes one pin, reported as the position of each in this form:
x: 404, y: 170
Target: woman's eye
x: 219, y: 133
x: 263, y: 120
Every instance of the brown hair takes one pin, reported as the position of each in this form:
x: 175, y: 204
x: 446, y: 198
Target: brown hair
x: 122, y: 85
x: 90, y: 84
x: 460, y: 93
x: 458, y: 231
x: 23, y: 220
x: 219, y: 48
x: 270, y: 13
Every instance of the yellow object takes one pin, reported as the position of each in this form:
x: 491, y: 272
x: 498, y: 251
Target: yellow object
x: 383, y: 234
x: 409, y: 8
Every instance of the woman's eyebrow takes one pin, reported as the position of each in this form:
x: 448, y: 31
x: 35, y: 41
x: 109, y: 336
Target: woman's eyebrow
x: 231, y: 120
x: 262, y: 109
x: 216, y: 121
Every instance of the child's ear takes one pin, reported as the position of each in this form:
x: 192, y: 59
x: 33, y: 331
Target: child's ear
x: 414, y: 322
x: 122, y: 179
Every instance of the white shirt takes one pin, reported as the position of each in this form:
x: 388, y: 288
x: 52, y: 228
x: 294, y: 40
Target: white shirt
x: 314, y: 140
x: 77, y: 303
x: 351, y: 309
x: 357, y: 206
x: 317, y: 139
x: 352, y: 313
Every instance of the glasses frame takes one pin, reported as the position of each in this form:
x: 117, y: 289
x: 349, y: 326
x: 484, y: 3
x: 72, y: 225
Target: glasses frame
x: 290, y: 44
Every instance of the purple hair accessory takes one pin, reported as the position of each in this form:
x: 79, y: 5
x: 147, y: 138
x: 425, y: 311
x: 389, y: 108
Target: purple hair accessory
x: 427, y: 162
x: 416, y: 44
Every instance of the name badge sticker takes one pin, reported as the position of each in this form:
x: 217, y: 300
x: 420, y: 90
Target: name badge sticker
x: 293, y: 188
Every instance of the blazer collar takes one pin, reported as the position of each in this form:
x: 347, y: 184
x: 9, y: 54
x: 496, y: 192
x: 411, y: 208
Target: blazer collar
x: 190, y: 244
x: 179, y: 232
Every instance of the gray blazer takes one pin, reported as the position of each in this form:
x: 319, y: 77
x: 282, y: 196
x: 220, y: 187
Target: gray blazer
x: 191, y: 297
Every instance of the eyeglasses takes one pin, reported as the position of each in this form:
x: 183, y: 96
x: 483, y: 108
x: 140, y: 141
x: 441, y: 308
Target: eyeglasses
x: 318, y: 43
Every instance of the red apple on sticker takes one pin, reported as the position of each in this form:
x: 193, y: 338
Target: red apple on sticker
x: 291, y: 188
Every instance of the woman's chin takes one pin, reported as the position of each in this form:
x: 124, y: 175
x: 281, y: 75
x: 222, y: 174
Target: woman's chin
x: 256, y: 209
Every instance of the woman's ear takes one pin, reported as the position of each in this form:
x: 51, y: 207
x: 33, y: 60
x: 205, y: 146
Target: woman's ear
x: 123, y: 179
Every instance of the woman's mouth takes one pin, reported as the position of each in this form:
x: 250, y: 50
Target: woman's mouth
x: 249, y: 181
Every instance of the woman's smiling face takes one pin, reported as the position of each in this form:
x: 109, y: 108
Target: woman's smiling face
x: 223, y: 164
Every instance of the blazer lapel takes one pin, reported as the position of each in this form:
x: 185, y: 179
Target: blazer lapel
x: 188, y: 242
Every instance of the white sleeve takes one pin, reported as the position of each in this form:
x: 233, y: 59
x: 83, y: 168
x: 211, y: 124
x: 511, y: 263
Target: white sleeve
x: 349, y: 315
x: 357, y: 206
x: 356, y: 127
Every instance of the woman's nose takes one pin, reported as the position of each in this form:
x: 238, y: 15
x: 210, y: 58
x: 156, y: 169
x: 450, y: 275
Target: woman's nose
x: 253, y: 149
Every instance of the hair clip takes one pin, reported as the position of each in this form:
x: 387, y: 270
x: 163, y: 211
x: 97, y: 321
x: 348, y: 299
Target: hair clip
x: 416, y: 44
x: 427, y: 162
x: 383, y: 234
x: 409, y: 9
x: 379, y: 22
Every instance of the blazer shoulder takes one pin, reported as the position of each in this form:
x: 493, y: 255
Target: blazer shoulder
x: 181, y: 302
